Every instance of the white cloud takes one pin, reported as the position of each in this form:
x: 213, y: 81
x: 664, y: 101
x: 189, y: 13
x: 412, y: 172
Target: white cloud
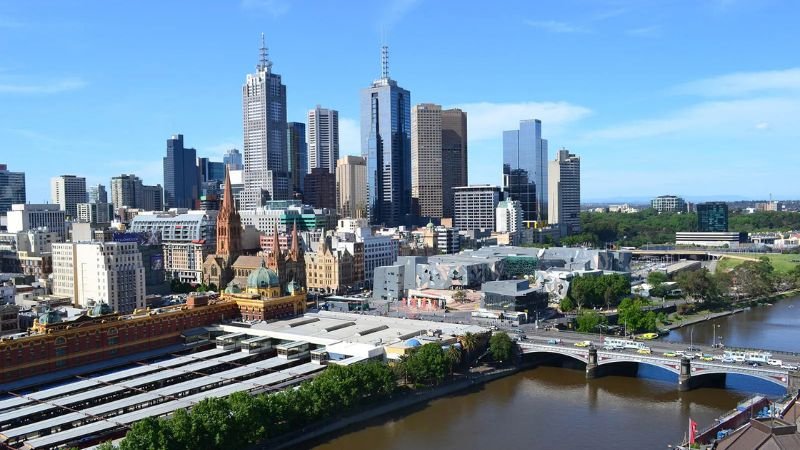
x: 349, y: 137
x: 555, y: 26
x: 744, y: 83
x: 274, y: 7
x: 487, y: 121
x: 650, y: 31
x: 68, y: 84
x: 762, y: 126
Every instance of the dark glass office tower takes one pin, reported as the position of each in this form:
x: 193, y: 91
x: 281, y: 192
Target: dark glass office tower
x: 525, y: 169
x: 297, y: 157
x: 712, y: 217
x: 181, y: 178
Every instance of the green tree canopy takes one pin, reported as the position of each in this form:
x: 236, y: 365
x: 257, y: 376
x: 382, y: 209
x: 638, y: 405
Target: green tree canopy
x: 500, y: 346
x: 589, y: 321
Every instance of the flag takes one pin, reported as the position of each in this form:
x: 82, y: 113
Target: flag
x: 692, y: 431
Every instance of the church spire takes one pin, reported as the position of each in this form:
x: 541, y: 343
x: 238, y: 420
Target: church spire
x: 295, y: 241
x: 227, y: 193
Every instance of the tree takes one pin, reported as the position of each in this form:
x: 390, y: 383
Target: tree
x: 427, y: 365
x: 589, y: 321
x: 655, y: 278
x: 500, y: 346
x: 149, y: 434
x: 566, y: 304
x: 459, y: 296
x: 754, y: 278
x: 632, y: 315
x: 469, y: 342
x: 454, y: 356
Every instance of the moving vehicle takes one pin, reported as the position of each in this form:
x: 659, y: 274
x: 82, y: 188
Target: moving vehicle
x: 670, y: 354
x: 706, y: 358
x: 583, y: 343
x: 774, y: 362
x: 624, y: 344
x: 735, y: 355
x: 644, y: 351
x: 648, y: 336
x: 788, y: 366
x: 554, y: 341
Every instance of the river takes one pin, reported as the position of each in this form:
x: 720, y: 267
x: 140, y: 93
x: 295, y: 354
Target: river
x: 551, y: 407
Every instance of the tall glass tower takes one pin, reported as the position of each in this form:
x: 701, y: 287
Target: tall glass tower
x: 386, y: 144
x: 525, y: 169
x: 265, y: 150
x: 297, y: 157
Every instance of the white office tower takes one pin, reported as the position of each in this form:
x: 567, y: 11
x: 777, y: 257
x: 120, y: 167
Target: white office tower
x: 509, y: 216
x: 67, y: 191
x: 322, y: 135
x: 100, y: 272
x: 265, y: 147
x: 565, y: 192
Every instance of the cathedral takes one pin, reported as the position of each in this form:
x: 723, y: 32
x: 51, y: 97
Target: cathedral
x: 290, y: 266
x: 218, y: 268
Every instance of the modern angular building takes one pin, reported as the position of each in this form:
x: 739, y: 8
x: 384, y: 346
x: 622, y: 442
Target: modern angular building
x: 454, y: 152
x: 351, y: 187
x: 297, y: 157
x: 525, y: 169
x: 712, y: 217
x: 181, y: 183
x: 97, y: 194
x: 211, y: 170
x: 668, y: 204
x: 264, y: 118
x: 426, y: 160
x: 475, y: 207
x: 233, y: 159
x: 67, y: 191
x: 564, y: 205
x: 386, y: 145
x: 12, y: 189
x: 323, y: 139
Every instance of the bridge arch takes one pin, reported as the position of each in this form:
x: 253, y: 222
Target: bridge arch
x: 782, y: 383
x: 632, y: 367
x: 571, y: 356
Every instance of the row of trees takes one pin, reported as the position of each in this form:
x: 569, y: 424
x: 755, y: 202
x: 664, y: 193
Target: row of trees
x: 596, y: 291
x: 241, y: 419
x: 632, y: 313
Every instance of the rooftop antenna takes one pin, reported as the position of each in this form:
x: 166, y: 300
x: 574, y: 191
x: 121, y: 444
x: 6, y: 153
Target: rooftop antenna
x: 385, y: 62
x: 264, y: 63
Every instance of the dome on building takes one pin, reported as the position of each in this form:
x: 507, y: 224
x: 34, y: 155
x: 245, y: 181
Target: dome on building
x: 233, y: 288
x: 413, y: 343
x: 49, y: 317
x: 262, y: 278
x: 100, y: 309
x: 430, y: 225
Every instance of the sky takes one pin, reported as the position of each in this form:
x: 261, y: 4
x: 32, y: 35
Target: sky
x: 699, y: 98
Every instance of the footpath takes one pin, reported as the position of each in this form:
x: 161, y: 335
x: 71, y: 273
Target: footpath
x: 738, y: 307
x: 474, y: 378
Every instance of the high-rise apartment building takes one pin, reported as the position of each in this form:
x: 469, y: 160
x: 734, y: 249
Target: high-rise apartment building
x: 320, y: 188
x: 97, y: 194
x: 454, y: 156
x: 525, y: 169
x: 297, y: 157
x: 509, y: 217
x: 100, y: 272
x: 386, y: 145
x: 12, y: 189
x: 264, y: 119
x: 351, y: 187
x: 67, y: 191
x: 475, y: 207
x: 128, y: 191
x: 712, y: 217
x: 28, y: 216
x: 564, y: 204
x: 152, y: 198
x: 96, y: 213
x: 668, y: 203
x: 233, y: 159
x: 181, y: 184
x: 426, y: 160
x: 323, y: 139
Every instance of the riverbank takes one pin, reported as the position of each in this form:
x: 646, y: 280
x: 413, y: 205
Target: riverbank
x: 403, y: 401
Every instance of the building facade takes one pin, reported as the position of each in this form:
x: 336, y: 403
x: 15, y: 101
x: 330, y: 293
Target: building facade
x: 330, y: 270
x: 668, y: 204
x: 233, y: 159
x: 509, y: 216
x: 97, y: 194
x: 264, y: 118
x: 31, y: 216
x: 12, y: 189
x: 454, y: 152
x: 351, y: 187
x: 712, y: 217
x: 525, y: 169
x: 181, y: 181
x: 297, y: 157
x: 565, y: 192
x: 100, y: 272
x: 426, y: 160
x: 67, y: 191
x: 323, y: 139
x: 95, y: 213
x: 386, y: 145
x: 475, y: 207
x: 320, y: 188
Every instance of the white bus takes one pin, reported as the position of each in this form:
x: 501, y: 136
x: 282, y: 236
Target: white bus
x: 621, y: 344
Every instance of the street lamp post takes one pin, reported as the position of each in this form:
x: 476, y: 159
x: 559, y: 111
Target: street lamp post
x: 691, y: 339
x: 714, y: 342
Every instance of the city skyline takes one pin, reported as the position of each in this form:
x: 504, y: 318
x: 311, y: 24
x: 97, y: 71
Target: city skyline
x: 631, y: 126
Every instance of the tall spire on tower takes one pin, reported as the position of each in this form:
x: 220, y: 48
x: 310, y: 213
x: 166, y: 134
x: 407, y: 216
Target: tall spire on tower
x: 295, y: 238
x: 227, y: 192
x: 264, y: 63
x: 385, y: 62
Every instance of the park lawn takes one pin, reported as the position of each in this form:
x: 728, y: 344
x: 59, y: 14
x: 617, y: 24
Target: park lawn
x: 782, y: 263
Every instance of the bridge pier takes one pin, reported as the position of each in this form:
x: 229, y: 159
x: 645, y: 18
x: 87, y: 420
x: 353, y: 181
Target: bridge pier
x: 591, y: 365
x: 794, y: 382
x: 685, y: 375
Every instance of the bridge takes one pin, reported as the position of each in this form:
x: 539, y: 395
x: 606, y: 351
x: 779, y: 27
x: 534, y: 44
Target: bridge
x: 691, y: 373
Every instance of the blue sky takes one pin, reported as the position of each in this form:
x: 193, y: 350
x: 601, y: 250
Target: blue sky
x: 698, y: 97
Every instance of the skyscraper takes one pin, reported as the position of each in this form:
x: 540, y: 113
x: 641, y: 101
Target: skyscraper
x: 264, y: 119
x: 12, y: 189
x: 320, y: 188
x: 233, y: 159
x: 323, y: 139
x: 211, y: 170
x: 454, y: 153
x: 297, y: 157
x: 97, y: 194
x: 67, y: 191
x: 128, y: 191
x: 180, y: 175
x: 386, y: 144
x: 525, y: 168
x: 712, y: 217
x: 351, y: 187
x: 564, y: 205
x: 426, y: 160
